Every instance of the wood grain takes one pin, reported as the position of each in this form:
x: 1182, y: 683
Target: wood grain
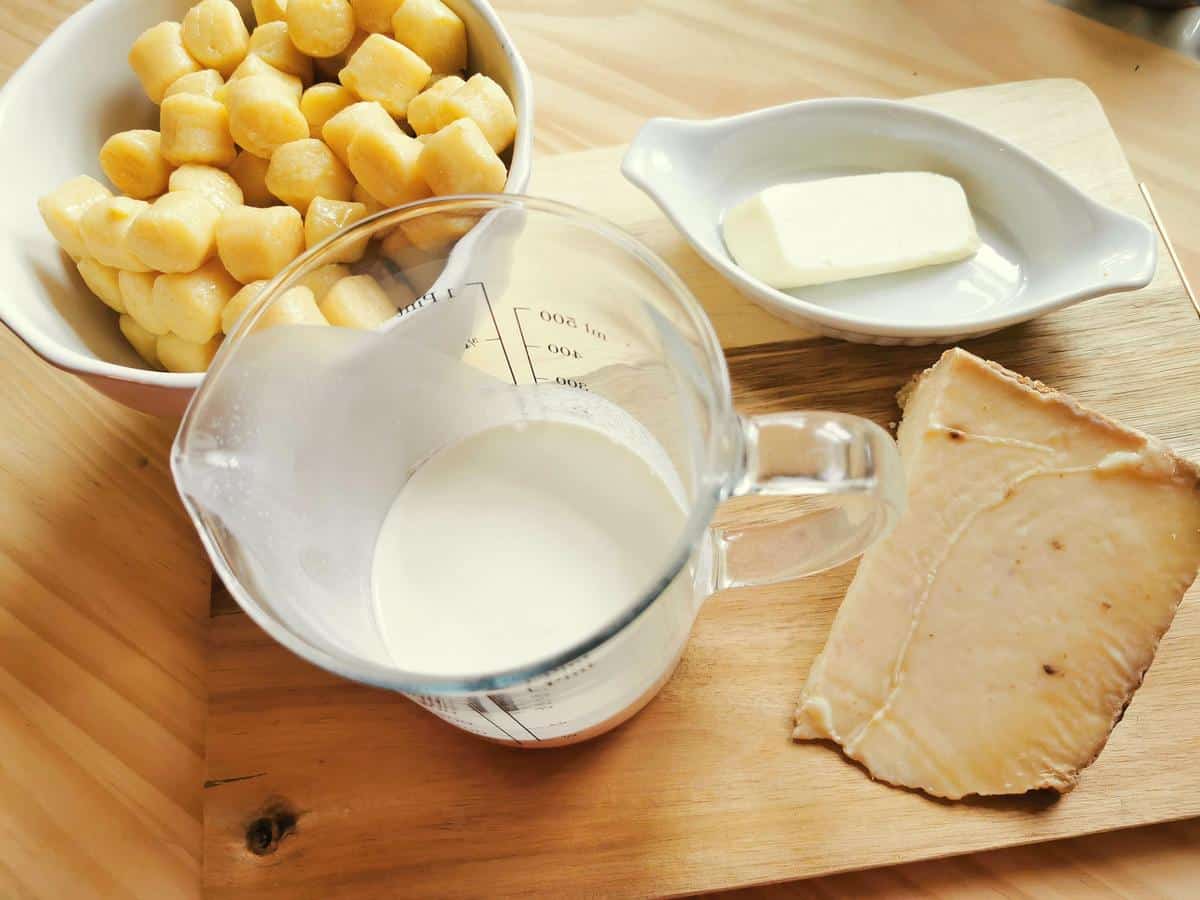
x: 703, y: 789
x: 103, y: 599
x: 86, y: 809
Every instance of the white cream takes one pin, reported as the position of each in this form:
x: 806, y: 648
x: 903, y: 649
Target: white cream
x: 814, y: 232
x: 516, y: 543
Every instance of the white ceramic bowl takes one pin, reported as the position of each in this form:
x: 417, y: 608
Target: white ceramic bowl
x: 57, y: 111
x: 1046, y: 245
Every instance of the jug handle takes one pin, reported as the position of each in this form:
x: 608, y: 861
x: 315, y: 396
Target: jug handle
x: 851, y: 469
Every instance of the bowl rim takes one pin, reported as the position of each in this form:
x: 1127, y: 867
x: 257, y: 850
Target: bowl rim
x: 70, y: 360
x: 798, y: 309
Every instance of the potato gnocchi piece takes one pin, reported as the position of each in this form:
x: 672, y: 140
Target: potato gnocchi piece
x: 215, y: 35
x: 357, y: 302
x: 145, y: 343
x: 263, y: 116
x: 191, y: 302
x: 320, y: 280
x: 295, y: 307
x: 375, y: 15
x: 137, y: 290
x: 363, y: 196
x: 459, y: 160
x: 426, y: 111
x: 304, y: 169
x: 255, y: 244
x: 330, y: 67
x: 254, y: 65
x: 239, y: 303
x: 321, y: 28
x: 434, y: 32
x: 206, y: 83
x: 105, y: 230
x: 159, y: 59
x: 485, y: 103
x: 176, y: 234
x: 322, y: 102
x: 327, y: 217
x: 384, y: 160
x: 134, y: 163
x: 273, y: 43
x: 435, y: 231
x: 387, y: 72
x: 195, y: 129
x: 250, y: 173
x: 63, y: 208
x: 267, y: 11
x: 400, y: 250
x: 102, y: 281
x: 216, y: 186
x: 178, y: 355
x: 340, y: 130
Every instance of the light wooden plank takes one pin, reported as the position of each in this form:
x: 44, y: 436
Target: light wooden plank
x: 704, y: 789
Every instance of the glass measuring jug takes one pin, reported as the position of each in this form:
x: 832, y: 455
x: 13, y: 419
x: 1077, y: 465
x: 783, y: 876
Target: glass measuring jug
x: 510, y: 311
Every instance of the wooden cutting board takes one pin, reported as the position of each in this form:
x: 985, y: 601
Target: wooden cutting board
x: 346, y: 791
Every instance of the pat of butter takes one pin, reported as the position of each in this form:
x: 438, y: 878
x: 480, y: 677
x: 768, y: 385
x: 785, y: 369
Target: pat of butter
x: 815, y: 232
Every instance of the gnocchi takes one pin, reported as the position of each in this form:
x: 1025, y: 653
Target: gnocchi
x: 63, y: 208
x: 273, y: 44
x: 159, y: 59
x: 191, y: 302
x: 340, y: 130
x: 387, y: 72
x: 253, y: 65
x: 357, y: 302
x: 179, y: 355
x: 255, y: 243
x: 295, y: 307
x: 133, y: 162
x: 322, y: 102
x: 434, y: 32
x: 251, y: 165
x: 459, y: 160
x: 375, y: 15
x: 215, y: 36
x: 206, y: 83
x: 427, y: 110
x: 326, y: 218
x: 263, y: 116
x: 217, y: 187
x: 102, y: 281
x: 250, y: 173
x: 321, y: 28
x: 385, y: 160
x: 485, y: 103
x: 304, y: 169
x: 177, y: 233
x: 105, y: 230
x: 137, y: 291
x: 239, y: 303
x: 145, y: 343
x: 196, y: 129
x: 320, y: 280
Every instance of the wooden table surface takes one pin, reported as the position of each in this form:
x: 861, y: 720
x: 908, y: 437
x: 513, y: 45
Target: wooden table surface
x: 101, y: 618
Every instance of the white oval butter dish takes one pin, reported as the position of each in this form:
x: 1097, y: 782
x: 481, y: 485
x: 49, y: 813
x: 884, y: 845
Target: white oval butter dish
x: 1045, y: 244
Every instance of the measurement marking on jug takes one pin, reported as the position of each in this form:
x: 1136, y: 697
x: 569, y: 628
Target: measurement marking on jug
x: 529, y: 359
x: 478, y: 708
x: 495, y: 325
x: 507, y: 707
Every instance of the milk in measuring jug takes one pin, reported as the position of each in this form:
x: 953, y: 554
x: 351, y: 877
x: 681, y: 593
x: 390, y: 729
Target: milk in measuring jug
x: 515, y: 544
